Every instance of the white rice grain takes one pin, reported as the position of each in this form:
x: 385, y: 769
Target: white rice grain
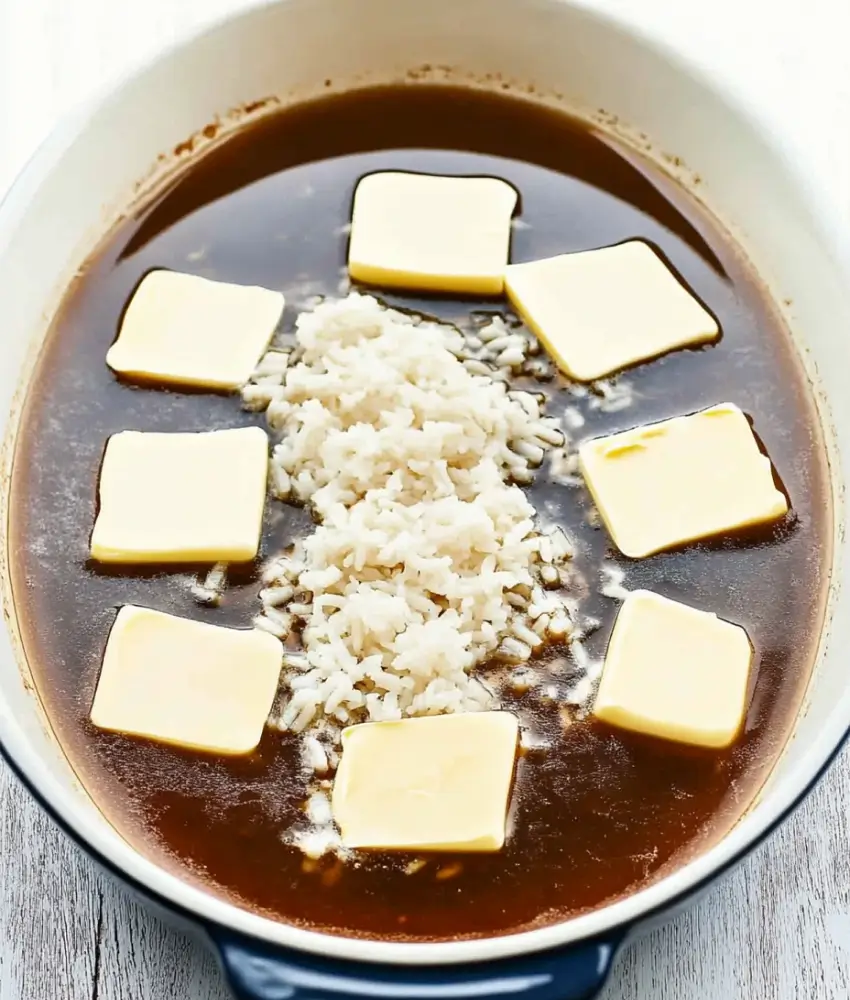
x: 613, y: 586
x: 275, y: 596
x: 425, y: 549
x: 315, y: 755
x: 209, y: 590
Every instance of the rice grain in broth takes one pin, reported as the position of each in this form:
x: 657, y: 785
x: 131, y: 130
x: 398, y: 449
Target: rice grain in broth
x: 597, y: 812
x: 425, y: 548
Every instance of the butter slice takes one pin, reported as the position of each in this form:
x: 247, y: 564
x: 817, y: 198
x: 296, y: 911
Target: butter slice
x: 180, y: 329
x: 181, y: 497
x: 438, y: 783
x: 180, y: 681
x: 675, y: 672
x: 441, y: 234
x: 664, y: 484
x: 602, y: 310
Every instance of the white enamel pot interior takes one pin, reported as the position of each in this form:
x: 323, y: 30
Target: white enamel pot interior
x: 87, y: 172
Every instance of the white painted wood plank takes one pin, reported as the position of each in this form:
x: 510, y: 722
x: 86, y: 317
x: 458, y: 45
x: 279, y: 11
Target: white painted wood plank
x: 779, y: 928
x: 50, y: 905
x: 141, y: 958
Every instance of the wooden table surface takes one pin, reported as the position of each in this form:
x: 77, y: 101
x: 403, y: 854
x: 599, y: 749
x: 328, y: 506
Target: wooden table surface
x: 779, y: 928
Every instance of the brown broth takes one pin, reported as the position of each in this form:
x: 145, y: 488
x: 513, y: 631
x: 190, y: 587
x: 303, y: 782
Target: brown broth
x: 603, y: 812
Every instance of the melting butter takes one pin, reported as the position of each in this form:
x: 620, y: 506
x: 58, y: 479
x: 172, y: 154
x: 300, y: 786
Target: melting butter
x: 437, y: 783
x: 599, y: 311
x: 681, y: 480
x: 674, y: 672
x: 421, y: 231
x: 181, y: 497
x: 180, y: 329
x: 185, y: 682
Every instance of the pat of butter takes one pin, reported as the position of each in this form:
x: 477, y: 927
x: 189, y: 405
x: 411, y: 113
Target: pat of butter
x: 181, y: 497
x: 180, y: 681
x: 602, y: 310
x: 438, y: 783
x: 180, y: 329
x: 680, y: 480
x: 442, y: 234
x: 675, y: 672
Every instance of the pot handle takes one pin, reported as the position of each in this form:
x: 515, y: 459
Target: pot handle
x: 257, y: 972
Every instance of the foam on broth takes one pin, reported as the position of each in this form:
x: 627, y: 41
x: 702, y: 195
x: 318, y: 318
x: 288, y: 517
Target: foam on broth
x: 601, y: 813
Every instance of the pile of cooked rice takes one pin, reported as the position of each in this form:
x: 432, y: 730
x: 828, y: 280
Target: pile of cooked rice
x: 426, y: 561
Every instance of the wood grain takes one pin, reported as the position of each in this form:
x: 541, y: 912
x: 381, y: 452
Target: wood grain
x: 779, y: 927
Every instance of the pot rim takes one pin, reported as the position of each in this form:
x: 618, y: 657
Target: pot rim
x: 192, y: 902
